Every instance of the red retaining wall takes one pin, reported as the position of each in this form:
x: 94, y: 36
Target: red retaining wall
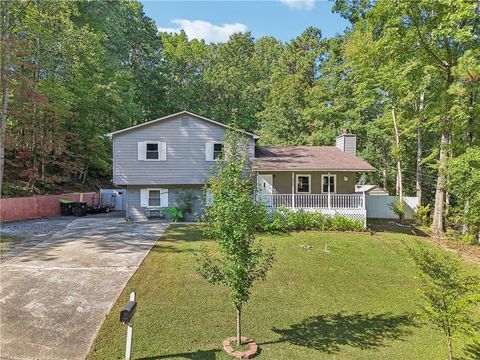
x: 23, y: 208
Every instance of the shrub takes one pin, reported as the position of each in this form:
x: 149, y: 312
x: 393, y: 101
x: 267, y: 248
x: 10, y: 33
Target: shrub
x: 175, y: 213
x: 296, y: 220
x: 398, y: 207
x: 185, y: 200
x: 422, y: 215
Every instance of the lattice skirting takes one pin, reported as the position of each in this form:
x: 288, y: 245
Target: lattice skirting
x: 354, y: 214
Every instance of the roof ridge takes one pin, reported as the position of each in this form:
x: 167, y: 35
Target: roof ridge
x: 166, y: 117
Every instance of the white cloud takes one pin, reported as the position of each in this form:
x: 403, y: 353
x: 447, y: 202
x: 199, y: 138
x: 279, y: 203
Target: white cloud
x: 199, y: 29
x: 299, y: 4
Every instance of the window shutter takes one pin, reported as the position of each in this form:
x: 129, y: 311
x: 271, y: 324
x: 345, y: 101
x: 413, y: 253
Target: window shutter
x: 164, y: 197
x: 209, y: 151
x: 143, y: 197
x: 141, y: 150
x: 162, y: 151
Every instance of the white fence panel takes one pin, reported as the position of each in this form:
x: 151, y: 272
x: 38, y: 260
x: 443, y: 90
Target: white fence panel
x: 379, y: 206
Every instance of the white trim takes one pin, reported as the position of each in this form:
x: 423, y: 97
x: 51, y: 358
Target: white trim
x: 309, y: 184
x: 146, y: 142
x: 255, y: 136
x: 334, y: 183
x: 311, y: 170
x: 213, y: 149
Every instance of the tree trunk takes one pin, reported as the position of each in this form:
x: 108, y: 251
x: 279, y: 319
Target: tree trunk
x: 239, y: 325
x: 438, y: 212
x: 449, y: 344
x: 418, y: 174
x: 4, y: 58
x: 385, y: 179
x: 437, y: 224
x: 399, y: 186
x: 471, y: 119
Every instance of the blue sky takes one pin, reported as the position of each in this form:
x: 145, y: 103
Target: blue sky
x: 214, y: 21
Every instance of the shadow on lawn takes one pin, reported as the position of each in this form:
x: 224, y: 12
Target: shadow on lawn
x: 329, y: 333
x: 197, y: 355
x: 392, y: 225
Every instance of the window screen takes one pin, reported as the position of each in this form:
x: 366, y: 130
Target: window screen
x: 152, y: 151
x: 217, y: 151
x: 154, y: 198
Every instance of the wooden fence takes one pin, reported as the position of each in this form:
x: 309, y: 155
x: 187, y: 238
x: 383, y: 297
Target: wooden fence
x: 33, y: 207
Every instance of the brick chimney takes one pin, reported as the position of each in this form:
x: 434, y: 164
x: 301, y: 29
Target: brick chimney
x: 347, y: 142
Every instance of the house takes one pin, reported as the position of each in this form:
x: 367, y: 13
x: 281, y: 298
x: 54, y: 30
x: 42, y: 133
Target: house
x: 155, y: 162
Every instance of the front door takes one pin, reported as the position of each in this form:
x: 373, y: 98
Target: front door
x: 265, y: 189
x: 265, y: 184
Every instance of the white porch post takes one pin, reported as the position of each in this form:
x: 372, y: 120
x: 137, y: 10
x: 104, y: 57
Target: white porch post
x: 293, y: 189
x: 329, y: 198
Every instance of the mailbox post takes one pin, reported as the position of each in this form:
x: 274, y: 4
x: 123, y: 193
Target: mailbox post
x: 126, y: 317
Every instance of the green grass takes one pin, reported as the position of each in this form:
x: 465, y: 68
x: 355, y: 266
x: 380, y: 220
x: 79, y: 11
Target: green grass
x: 356, y: 301
x: 6, y: 241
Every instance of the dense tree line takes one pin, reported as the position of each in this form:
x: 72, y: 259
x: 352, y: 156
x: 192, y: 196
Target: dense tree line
x: 404, y: 77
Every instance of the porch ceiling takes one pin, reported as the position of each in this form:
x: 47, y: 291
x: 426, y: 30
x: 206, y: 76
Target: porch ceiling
x: 305, y: 158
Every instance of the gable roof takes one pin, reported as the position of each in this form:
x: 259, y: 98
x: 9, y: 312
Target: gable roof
x: 307, y: 158
x: 255, y: 136
x: 371, y: 189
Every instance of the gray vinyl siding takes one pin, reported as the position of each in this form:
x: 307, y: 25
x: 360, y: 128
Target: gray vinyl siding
x: 137, y: 213
x: 347, y: 143
x: 282, y: 181
x: 185, y: 137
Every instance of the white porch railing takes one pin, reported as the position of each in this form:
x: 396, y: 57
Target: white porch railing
x: 313, y: 201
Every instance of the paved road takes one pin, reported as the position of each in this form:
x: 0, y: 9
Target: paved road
x: 54, y: 296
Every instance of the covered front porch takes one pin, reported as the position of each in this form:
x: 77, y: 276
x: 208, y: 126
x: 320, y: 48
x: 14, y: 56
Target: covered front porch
x: 330, y: 193
x: 311, y: 190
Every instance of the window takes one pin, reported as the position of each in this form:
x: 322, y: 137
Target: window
x: 217, y: 150
x: 328, y: 183
x: 154, y: 198
x: 151, y: 151
x: 303, y: 183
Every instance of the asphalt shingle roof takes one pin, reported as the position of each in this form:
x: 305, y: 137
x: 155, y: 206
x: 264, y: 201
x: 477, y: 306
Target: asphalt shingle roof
x: 307, y: 158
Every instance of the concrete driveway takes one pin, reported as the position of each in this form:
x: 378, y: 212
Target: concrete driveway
x: 54, y: 296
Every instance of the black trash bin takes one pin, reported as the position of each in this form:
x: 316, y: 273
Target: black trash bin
x: 66, y: 208
x: 79, y: 208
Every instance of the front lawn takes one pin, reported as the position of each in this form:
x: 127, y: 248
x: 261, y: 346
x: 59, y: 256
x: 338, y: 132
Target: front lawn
x: 357, y: 300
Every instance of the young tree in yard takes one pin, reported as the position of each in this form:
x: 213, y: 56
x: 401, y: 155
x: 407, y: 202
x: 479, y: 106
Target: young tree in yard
x: 449, y: 293
x: 232, y: 220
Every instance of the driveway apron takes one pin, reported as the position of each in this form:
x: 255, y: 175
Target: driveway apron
x: 54, y: 297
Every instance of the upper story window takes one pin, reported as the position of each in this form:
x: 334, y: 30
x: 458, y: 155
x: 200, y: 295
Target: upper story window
x: 217, y: 150
x: 151, y: 151
x: 303, y: 183
x: 213, y: 151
